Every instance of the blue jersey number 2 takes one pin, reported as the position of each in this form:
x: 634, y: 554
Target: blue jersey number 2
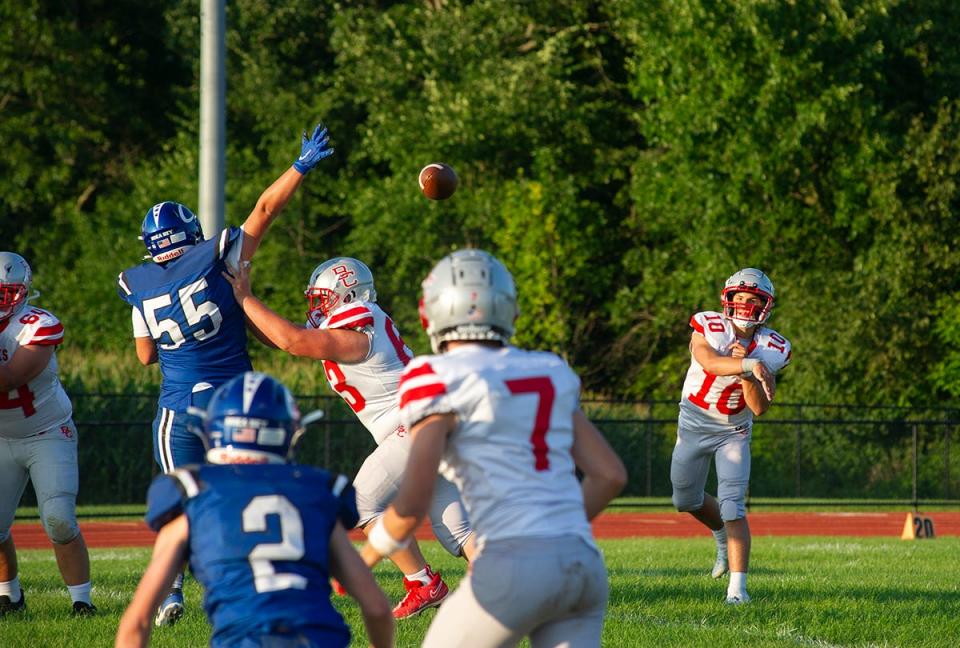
x: 193, y: 313
x: 290, y: 547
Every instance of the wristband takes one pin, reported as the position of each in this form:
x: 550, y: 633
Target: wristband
x: 384, y: 543
x: 747, y: 365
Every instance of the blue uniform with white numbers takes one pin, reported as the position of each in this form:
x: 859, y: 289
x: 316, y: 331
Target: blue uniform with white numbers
x: 200, y: 333
x: 260, y: 545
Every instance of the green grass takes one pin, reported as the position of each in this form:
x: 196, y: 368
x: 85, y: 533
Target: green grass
x: 807, y: 592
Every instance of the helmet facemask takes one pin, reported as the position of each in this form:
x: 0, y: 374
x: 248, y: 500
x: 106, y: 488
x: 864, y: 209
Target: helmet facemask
x: 12, y: 297
x: 745, y: 314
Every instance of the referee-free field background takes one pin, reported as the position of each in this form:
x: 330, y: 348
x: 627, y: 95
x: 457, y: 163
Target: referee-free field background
x: 807, y: 591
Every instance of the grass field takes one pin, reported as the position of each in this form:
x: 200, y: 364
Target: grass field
x: 807, y: 592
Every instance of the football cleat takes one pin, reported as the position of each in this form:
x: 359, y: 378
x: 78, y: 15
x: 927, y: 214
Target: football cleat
x: 421, y: 597
x: 337, y: 588
x: 737, y: 599
x: 720, y: 567
x: 171, y: 609
x: 7, y: 606
x: 83, y: 609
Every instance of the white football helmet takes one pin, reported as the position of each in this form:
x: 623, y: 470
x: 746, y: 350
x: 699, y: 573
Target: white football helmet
x: 469, y: 295
x: 755, y: 282
x: 15, y: 278
x: 341, y: 280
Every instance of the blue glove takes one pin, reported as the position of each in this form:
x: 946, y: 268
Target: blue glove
x: 313, y: 150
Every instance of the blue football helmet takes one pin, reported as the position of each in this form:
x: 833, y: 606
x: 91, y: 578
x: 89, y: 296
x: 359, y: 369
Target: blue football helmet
x: 168, y: 229
x: 252, y: 418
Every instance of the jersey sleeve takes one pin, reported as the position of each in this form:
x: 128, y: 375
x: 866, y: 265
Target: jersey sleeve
x: 342, y: 490
x: 712, y: 326
x: 43, y: 329
x: 140, y: 328
x: 781, y: 359
x: 422, y: 393
x: 167, y: 496
x: 124, y: 289
x: 350, y: 316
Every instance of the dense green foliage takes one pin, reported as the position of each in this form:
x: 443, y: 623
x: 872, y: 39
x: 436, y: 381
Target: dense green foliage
x: 807, y: 591
x: 623, y: 158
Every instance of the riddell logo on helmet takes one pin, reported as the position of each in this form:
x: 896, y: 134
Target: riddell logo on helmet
x: 343, y: 275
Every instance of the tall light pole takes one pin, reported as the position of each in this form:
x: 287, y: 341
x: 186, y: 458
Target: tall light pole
x: 213, y: 114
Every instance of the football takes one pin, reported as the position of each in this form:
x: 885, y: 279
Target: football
x: 438, y: 181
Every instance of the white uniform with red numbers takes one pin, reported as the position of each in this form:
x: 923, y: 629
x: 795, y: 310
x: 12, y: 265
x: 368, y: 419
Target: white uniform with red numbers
x: 370, y: 389
x: 715, y: 420
x: 38, y: 440
x: 41, y: 404
x: 539, y: 572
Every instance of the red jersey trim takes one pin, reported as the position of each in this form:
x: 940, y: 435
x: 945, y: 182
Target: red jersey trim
x: 354, y: 318
x: 423, y: 370
x: 697, y: 326
x: 45, y: 342
x: 421, y: 393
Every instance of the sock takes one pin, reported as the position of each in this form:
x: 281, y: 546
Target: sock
x: 721, y: 537
x: 80, y: 592
x: 11, y: 588
x: 738, y: 583
x: 178, y: 582
x: 424, y: 576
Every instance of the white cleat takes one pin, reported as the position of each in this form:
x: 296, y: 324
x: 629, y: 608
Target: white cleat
x: 720, y: 567
x: 737, y: 599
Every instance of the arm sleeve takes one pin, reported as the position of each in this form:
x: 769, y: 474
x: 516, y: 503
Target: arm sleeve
x: 233, y: 255
x: 140, y: 328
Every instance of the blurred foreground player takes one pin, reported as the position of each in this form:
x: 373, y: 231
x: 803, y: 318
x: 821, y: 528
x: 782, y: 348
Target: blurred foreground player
x: 263, y: 535
x: 38, y: 440
x: 506, y: 426
x: 734, y: 359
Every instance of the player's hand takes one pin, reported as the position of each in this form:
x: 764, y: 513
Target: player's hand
x: 240, y: 281
x: 737, y: 350
x: 765, y: 377
x: 313, y: 149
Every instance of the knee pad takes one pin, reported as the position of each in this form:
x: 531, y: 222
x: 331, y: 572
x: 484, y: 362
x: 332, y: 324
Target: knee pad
x: 733, y: 509
x: 687, y: 500
x: 59, y: 518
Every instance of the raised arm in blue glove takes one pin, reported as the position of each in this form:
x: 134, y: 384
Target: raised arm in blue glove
x: 313, y: 150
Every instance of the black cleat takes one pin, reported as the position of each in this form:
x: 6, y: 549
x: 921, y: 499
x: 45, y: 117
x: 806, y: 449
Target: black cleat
x: 7, y: 606
x: 81, y: 609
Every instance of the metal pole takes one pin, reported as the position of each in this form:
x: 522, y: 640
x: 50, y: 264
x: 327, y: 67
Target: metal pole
x: 649, y: 441
x: 915, y: 461
x: 213, y: 114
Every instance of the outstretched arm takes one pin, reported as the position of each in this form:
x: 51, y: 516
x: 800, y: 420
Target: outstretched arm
x: 275, y: 197
x: 339, y: 345
x: 169, y: 553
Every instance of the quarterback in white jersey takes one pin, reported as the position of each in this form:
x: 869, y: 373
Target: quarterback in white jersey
x: 363, y: 356
x: 38, y: 440
x: 506, y: 426
x: 734, y: 361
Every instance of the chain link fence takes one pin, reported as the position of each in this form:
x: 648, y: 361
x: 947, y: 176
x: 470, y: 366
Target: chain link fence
x: 801, y: 451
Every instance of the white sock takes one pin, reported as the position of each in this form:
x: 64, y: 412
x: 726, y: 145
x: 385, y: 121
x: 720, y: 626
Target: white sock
x: 11, y: 588
x: 80, y: 592
x: 423, y: 576
x: 178, y: 581
x: 721, y: 537
x: 738, y: 583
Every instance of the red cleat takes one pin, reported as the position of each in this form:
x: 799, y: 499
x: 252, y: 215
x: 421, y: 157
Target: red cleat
x: 337, y: 587
x: 421, y: 597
